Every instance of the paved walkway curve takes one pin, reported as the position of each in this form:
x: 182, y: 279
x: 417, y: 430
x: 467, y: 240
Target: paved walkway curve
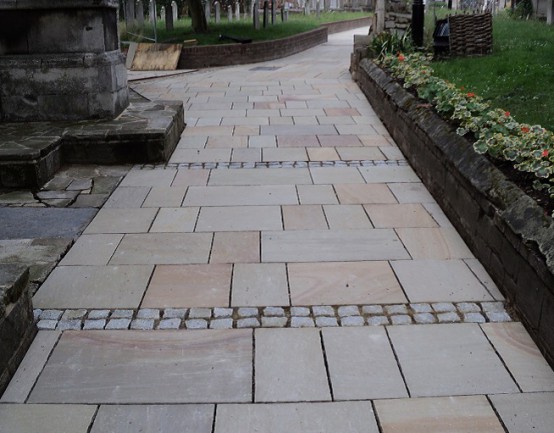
x: 336, y: 295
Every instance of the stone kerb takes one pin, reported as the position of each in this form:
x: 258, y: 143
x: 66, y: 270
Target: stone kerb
x: 506, y: 230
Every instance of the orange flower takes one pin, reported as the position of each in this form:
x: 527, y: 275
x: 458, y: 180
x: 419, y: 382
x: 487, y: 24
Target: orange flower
x: 470, y: 95
x: 507, y: 113
x: 545, y: 153
x: 401, y: 58
x: 525, y: 129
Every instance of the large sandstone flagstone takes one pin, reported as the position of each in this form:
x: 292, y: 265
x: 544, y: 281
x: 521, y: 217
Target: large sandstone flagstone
x: 92, y: 250
x: 347, y: 217
x: 527, y: 412
x: 288, y: 176
x: 362, y: 364
x: 260, y: 284
x: 331, y: 246
x: 241, y: 195
x: 201, y: 366
x: 364, y: 193
x: 332, y: 175
x: 304, y: 217
x: 93, y: 287
x: 236, y: 247
x: 239, y: 218
x: 399, y: 215
x: 122, y: 221
x: 180, y: 286
x: 290, y: 366
x: 338, y: 283
x: 438, y: 415
x: 175, y: 220
x: 447, y: 360
x: 343, y: 417
x: 389, y: 174
x: 434, y: 243
x: 45, y: 418
x: 190, y: 418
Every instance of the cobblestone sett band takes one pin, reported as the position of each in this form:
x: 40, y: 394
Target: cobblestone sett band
x: 272, y: 317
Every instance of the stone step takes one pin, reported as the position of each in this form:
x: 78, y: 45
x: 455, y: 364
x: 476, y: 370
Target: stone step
x: 146, y: 132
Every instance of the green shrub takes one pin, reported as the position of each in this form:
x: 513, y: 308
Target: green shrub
x: 390, y: 43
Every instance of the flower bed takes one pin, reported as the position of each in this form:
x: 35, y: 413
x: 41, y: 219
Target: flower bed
x: 506, y: 230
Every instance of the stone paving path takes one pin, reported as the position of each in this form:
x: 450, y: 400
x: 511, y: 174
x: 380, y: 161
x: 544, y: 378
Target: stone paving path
x: 287, y: 271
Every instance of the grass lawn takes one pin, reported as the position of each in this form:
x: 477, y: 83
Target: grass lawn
x: 297, y: 23
x: 517, y: 77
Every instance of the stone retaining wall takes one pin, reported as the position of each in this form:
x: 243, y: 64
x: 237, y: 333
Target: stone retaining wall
x: 506, y: 230
x: 239, y: 54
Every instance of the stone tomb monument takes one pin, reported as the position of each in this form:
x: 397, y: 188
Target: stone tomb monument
x: 60, y: 60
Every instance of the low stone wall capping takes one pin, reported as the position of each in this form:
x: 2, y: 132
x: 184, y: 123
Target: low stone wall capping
x: 506, y: 230
x: 239, y: 54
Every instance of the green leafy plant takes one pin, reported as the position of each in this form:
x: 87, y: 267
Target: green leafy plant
x: 391, y: 43
x: 496, y: 132
x: 523, y: 10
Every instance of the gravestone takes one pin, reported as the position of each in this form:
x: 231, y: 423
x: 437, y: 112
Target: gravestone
x: 217, y: 12
x: 175, y: 11
x: 208, y: 12
x: 256, y: 14
x: 230, y: 13
x: 130, y: 13
x: 64, y: 63
x: 162, y: 13
x: 153, y: 12
x: 318, y: 8
x: 237, y: 11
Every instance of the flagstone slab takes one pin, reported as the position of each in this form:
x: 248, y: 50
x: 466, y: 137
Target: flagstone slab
x: 175, y: 220
x: 334, y: 175
x: 347, y: 217
x: 239, y: 218
x: 236, y: 247
x: 361, y: 364
x: 201, y: 155
x: 260, y: 284
x: 399, y: 215
x: 122, y: 221
x: 126, y: 197
x: 180, y: 286
x: 304, y: 217
x: 411, y: 193
x: 163, y: 248
x: 316, y: 194
x: 187, y: 177
x: 438, y: 415
x: 439, y: 281
x: 165, y: 196
x: 339, y: 140
x: 45, y: 418
x: 190, y: 418
x: 241, y: 195
x: 149, y: 178
x: 389, y: 174
x: 364, y: 194
x: 343, y: 283
x: 285, y: 176
x: 343, y: 417
x: 200, y: 366
x: 449, y: 360
x: 361, y: 153
x: 331, y: 246
x: 434, y: 243
x: 322, y: 154
x: 527, y: 412
x: 289, y: 366
x: 93, y: 287
x: 521, y: 356
x: 284, y: 154
x: 92, y: 250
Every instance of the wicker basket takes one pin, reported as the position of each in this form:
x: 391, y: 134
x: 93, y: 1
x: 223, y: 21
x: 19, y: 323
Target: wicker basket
x: 470, y: 35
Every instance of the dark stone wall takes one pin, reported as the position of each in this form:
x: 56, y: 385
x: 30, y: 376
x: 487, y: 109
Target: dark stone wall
x: 506, y: 230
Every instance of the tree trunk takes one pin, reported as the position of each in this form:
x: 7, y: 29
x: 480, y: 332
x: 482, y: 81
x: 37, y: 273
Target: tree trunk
x: 199, y: 23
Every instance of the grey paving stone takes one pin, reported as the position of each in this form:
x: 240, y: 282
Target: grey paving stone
x: 36, y: 313
x: 118, y: 324
x: 502, y: 316
x: 348, y: 310
x: 122, y: 314
x: 299, y: 311
x: 274, y: 322
x: 73, y: 314
x: 424, y: 318
x: 274, y: 312
x: 323, y: 310
x: 196, y: 324
x: 200, y: 313
x: 221, y: 323
x: 421, y: 308
x: 223, y: 312
x: 396, y: 309
x: 250, y: 322
x: 174, y: 323
x: 94, y: 324
x: 526, y: 412
x: 45, y: 418
x: 372, y: 309
x: 301, y: 322
x: 352, y: 321
x: 248, y: 312
x: 443, y: 307
x: 401, y: 319
x: 468, y: 307
x: 148, y: 313
x: 323, y: 321
x: 451, y: 317
x: 73, y: 324
x: 474, y: 318
x: 377, y: 320
x: 493, y: 307
x: 174, y: 313
x: 142, y: 324
x: 98, y: 314
x: 51, y: 314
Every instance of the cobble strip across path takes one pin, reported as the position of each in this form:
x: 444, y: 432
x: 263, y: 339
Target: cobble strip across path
x: 287, y: 222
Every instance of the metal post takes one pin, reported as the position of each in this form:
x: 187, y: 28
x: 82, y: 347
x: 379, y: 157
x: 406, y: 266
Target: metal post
x: 418, y: 16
